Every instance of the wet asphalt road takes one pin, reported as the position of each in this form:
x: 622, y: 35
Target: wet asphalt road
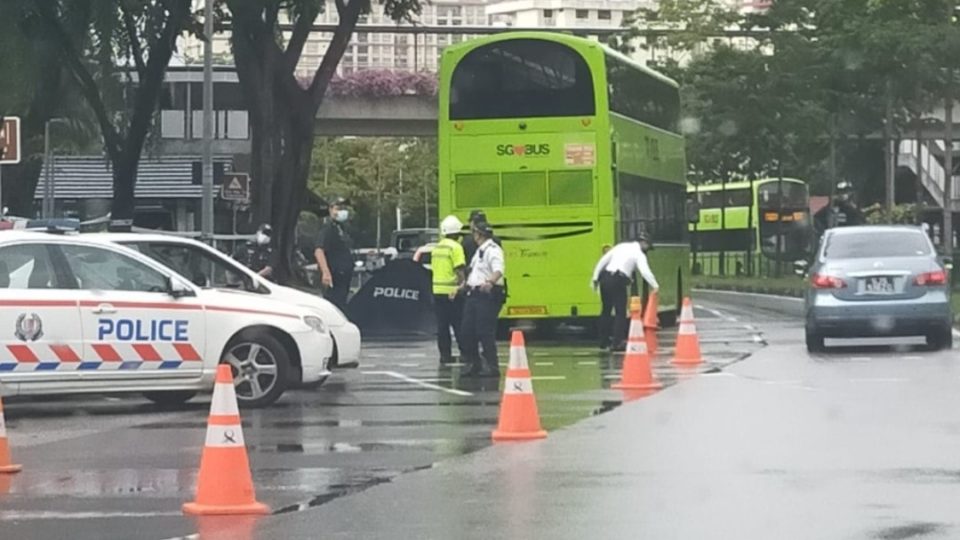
x: 109, y: 467
x: 860, y: 442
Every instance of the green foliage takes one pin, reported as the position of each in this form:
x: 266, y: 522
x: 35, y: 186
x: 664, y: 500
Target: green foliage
x: 368, y: 172
x: 769, y: 90
x: 903, y: 214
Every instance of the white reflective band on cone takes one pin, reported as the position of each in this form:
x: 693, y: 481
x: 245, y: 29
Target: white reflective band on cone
x: 518, y: 358
x: 636, y: 348
x: 224, y: 436
x: 224, y: 400
x: 518, y: 386
x: 687, y: 328
x: 3, y: 426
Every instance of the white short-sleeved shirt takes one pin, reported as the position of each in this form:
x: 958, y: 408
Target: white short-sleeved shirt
x: 485, y: 262
x: 624, y: 258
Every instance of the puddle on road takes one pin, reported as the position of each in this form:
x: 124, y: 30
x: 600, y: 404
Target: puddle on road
x: 441, y: 447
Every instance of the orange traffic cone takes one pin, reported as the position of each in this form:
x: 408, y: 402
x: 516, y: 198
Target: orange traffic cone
x: 224, y: 486
x: 5, y: 463
x: 519, y: 419
x: 637, y: 372
x: 651, y: 323
x: 688, y: 344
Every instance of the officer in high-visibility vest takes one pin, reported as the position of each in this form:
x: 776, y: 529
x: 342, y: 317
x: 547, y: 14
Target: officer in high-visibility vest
x: 448, y: 262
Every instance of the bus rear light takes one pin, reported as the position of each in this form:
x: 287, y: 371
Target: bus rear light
x: 823, y: 281
x: 938, y: 277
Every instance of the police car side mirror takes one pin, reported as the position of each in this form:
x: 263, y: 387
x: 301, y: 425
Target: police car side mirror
x: 177, y: 290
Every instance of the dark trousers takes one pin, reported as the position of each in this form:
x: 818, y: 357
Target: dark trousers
x: 479, y: 327
x: 613, y: 299
x: 448, y: 313
x: 337, y: 294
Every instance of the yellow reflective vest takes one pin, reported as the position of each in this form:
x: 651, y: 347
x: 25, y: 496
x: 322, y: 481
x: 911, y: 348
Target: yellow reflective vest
x: 444, y: 260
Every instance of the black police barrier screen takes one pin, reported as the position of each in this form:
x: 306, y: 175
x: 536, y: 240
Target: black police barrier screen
x: 396, y: 300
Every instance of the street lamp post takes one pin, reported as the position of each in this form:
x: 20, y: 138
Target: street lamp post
x: 403, y: 150
x: 48, y: 206
x: 206, y: 201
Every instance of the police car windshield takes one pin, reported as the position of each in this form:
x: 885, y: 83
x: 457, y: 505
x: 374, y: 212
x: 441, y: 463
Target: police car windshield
x: 200, y: 266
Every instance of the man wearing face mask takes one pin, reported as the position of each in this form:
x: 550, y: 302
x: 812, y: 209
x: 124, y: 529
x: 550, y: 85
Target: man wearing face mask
x: 334, y: 259
x: 257, y: 254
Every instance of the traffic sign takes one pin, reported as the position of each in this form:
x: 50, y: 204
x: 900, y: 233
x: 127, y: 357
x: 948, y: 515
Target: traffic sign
x: 10, y: 140
x: 235, y: 187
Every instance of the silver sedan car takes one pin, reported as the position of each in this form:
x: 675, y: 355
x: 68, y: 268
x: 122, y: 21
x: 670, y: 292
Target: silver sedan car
x: 878, y: 281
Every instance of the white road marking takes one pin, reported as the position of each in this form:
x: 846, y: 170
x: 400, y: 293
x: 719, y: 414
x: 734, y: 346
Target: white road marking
x: 587, y: 363
x: 543, y: 363
x: 14, y: 514
x: 716, y: 313
x: 880, y: 379
x: 419, y: 382
x: 913, y: 358
x: 861, y: 359
x: 408, y: 364
x: 548, y: 378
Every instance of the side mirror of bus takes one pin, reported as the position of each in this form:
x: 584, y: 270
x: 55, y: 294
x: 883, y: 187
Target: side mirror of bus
x: 693, y: 212
x: 800, y: 268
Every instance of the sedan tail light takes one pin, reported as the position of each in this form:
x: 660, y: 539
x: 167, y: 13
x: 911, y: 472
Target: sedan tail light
x: 823, y: 281
x: 938, y: 277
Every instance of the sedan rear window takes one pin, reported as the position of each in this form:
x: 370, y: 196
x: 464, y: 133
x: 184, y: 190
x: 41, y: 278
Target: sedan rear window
x: 876, y: 244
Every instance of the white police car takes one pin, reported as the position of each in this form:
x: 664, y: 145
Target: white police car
x: 207, y: 267
x: 83, y: 315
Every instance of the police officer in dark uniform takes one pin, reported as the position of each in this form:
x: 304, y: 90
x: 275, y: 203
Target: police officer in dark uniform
x: 469, y: 245
x: 257, y: 254
x: 334, y: 258
x: 841, y: 212
x: 485, y: 291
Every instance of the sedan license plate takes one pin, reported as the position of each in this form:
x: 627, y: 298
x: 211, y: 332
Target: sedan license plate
x: 878, y: 285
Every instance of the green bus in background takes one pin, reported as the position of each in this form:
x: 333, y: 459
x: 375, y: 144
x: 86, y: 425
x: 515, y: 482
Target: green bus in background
x: 754, y: 216
x: 568, y: 146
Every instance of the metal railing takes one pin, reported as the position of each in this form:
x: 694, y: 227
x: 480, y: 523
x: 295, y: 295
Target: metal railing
x: 738, y: 263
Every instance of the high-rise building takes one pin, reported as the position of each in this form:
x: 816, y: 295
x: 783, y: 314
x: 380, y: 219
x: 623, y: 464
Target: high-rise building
x: 420, y: 51
x: 550, y: 14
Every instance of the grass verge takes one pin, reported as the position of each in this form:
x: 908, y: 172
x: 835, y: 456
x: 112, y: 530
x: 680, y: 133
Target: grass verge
x: 784, y: 286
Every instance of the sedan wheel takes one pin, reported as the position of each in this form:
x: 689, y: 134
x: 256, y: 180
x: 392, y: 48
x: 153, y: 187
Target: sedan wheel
x: 260, y: 367
x: 814, y: 341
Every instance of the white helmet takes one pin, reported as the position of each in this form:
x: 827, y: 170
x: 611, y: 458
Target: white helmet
x: 450, y: 225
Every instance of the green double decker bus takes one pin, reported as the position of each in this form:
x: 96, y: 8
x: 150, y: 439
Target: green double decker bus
x: 568, y: 146
x: 743, y: 220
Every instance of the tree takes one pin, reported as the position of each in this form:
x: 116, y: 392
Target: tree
x: 368, y: 171
x: 33, y: 88
x: 282, y: 110
x: 99, y: 43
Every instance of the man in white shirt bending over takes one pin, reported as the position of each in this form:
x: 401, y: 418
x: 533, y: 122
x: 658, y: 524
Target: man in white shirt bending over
x: 613, y: 275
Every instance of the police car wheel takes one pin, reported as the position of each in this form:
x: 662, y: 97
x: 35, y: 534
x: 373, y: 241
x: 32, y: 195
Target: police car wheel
x: 171, y: 398
x: 261, y: 368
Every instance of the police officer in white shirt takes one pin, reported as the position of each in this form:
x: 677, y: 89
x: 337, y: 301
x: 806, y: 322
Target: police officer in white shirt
x: 613, y: 275
x: 485, y: 295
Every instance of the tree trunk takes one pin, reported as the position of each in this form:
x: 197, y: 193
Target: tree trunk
x: 948, y: 171
x: 889, y: 156
x: 124, y: 180
x: 288, y: 195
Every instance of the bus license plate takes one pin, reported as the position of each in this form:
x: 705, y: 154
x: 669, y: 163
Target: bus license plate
x: 527, y: 310
x: 878, y: 285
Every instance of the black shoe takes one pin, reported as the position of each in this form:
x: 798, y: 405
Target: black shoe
x: 489, y: 373
x: 621, y: 347
x: 472, y: 370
